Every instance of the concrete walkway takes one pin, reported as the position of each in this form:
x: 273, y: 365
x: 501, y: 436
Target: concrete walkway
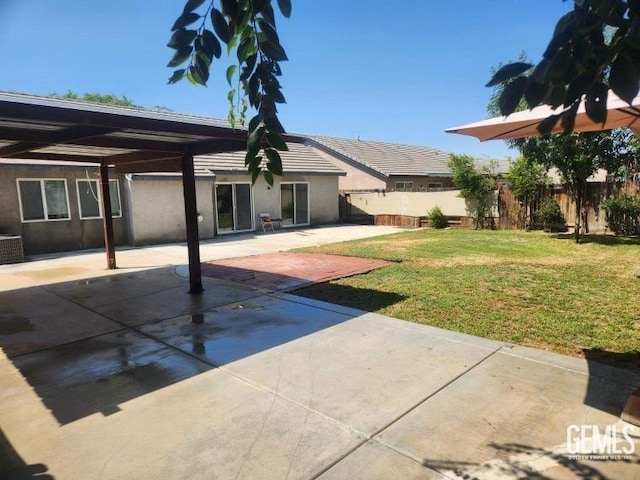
x: 121, y: 375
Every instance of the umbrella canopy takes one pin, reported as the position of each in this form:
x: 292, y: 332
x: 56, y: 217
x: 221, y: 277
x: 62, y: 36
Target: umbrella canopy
x: 525, y: 124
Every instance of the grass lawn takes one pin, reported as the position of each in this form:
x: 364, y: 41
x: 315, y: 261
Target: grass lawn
x: 528, y: 288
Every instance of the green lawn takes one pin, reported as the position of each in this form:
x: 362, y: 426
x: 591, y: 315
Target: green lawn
x: 535, y: 289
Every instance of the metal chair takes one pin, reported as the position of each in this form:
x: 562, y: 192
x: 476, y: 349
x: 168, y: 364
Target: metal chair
x: 266, y: 222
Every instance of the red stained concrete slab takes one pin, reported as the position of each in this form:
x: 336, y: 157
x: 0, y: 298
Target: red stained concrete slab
x: 288, y: 271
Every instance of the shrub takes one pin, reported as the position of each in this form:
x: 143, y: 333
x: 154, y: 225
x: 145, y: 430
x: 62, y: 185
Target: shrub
x: 549, y: 216
x: 436, y: 218
x: 623, y: 214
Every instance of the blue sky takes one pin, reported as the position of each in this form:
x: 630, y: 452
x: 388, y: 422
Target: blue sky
x: 389, y: 71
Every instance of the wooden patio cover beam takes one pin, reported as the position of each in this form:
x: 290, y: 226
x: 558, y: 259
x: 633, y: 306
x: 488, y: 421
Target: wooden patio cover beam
x: 48, y: 137
x: 67, y: 135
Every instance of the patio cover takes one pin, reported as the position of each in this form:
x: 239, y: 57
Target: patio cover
x: 128, y: 139
x: 525, y: 123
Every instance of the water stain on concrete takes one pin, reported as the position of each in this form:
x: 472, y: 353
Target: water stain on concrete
x: 11, y: 324
x: 53, y: 273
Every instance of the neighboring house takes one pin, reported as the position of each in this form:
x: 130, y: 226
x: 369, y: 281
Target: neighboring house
x: 55, y: 206
x: 391, y: 167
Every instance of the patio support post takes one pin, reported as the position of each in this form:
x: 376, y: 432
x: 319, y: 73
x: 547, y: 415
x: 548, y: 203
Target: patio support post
x: 107, y: 219
x: 191, y: 218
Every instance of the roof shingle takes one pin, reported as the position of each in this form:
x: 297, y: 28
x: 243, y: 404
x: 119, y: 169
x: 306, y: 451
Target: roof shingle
x: 389, y: 158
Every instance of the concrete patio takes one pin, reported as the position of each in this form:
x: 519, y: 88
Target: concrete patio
x: 121, y: 374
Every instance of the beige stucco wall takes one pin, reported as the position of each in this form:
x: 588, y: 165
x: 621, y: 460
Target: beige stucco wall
x: 157, y: 210
x: 356, y: 178
x: 54, y: 235
x: 323, y: 196
x: 414, y: 204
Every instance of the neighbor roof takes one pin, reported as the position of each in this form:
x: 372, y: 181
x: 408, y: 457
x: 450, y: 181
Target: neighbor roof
x: 300, y: 159
x: 388, y: 159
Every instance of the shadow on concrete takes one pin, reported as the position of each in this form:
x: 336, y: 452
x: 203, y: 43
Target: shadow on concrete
x: 609, y: 240
x: 13, y: 467
x: 90, y: 345
x: 600, y: 374
x: 365, y: 299
x: 515, y: 460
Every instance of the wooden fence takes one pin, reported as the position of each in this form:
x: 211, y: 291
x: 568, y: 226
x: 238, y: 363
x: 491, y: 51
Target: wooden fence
x: 511, y: 213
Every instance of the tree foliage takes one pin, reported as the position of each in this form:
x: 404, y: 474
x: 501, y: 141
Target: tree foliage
x: 101, y: 98
x: 595, y: 47
x: 527, y: 178
x: 576, y: 156
x: 248, y: 29
x: 475, y: 183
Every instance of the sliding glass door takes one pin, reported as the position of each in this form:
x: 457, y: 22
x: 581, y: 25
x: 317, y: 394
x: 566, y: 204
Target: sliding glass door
x: 294, y: 203
x: 234, y: 207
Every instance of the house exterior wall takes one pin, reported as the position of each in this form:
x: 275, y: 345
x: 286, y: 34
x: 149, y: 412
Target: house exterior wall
x: 156, y: 209
x: 420, y: 184
x: 357, y: 178
x: 50, y: 236
x: 323, y: 195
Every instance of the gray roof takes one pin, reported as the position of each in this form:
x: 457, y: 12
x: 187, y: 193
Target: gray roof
x: 300, y: 159
x: 388, y: 159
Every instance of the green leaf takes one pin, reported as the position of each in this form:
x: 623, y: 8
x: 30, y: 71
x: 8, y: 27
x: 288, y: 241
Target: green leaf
x: 273, y: 124
x: 547, y: 125
x: 182, y: 38
x: 275, y: 94
x: 184, y: 20
x: 210, y: 44
x: 248, y: 67
x: 268, y: 176
x: 246, y: 49
x: 230, y: 8
x: 276, y: 141
x: 624, y: 78
x: 194, y: 76
x: 255, y: 173
x: 534, y: 93
x: 269, y: 32
x: 231, y: 96
x: 508, y: 72
x: 596, y: 104
x: 254, y: 123
x: 568, y: 118
x: 192, y: 5
x: 254, y: 142
x: 202, y: 66
x: 177, y: 76
x: 285, y: 7
x: 220, y: 26
x: 231, y: 70
x: 181, y: 55
x: 511, y: 95
x: 259, y: 5
x: 274, y: 164
x: 273, y: 51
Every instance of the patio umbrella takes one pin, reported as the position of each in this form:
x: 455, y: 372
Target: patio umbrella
x: 525, y: 124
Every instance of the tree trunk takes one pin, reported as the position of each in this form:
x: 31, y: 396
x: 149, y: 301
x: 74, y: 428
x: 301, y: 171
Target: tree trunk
x: 578, y: 212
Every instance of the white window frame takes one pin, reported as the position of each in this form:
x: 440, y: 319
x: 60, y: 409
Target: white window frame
x: 43, y: 197
x: 233, y: 190
x: 100, y: 205
x: 404, y: 188
x: 294, y: 206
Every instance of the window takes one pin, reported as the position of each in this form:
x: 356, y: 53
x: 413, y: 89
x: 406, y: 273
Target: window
x: 434, y: 187
x: 294, y: 203
x: 89, y: 199
x: 42, y: 200
x: 404, y: 187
